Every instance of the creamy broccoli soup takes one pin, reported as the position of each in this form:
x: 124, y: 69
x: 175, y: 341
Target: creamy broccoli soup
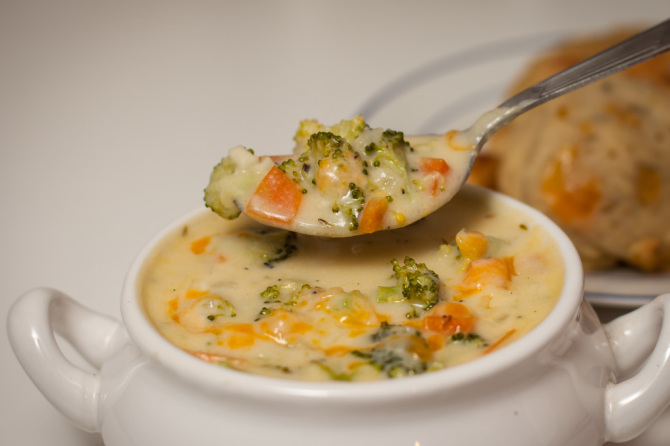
x: 345, y: 179
x: 457, y: 285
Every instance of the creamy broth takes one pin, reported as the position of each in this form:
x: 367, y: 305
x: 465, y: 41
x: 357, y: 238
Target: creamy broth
x: 272, y: 302
x: 343, y: 180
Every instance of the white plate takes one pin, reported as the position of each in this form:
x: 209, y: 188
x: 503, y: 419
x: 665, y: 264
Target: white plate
x: 624, y: 287
x: 451, y: 92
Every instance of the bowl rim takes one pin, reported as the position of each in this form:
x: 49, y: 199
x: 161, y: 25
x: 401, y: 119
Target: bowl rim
x: 221, y: 379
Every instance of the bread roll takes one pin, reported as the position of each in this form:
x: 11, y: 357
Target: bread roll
x: 596, y: 160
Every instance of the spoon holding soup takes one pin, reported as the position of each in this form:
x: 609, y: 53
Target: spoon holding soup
x: 351, y: 179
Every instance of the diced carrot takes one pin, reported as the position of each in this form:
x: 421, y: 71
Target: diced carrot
x: 485, y: 272
x: 277, y: 198
x: 471, y: 244
x: 448, y: 318
x: 373, y: 215
x: 198, y: 246
x: 429, y: 166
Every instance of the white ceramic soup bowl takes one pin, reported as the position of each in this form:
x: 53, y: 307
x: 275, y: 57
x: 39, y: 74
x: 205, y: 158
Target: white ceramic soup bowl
x: 570, y: 381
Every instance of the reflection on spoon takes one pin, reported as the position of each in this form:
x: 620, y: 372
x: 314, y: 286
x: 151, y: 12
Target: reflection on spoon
x: 349, y: 179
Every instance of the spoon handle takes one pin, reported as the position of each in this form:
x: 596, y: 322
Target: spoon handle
x: 632, y: 51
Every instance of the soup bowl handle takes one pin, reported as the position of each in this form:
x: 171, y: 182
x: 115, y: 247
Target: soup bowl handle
x: 640, y: 341
x: 32, y: 325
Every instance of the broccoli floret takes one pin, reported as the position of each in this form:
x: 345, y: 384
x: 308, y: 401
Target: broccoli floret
x: 400, y: 351
x: 387, y: 330
x: 325, y: 144
x: 270, y: 245
x: 282, y: 296
x: 331, y: 146
x: 282, y: 247
x: 320, y: 145
x: 395, y: 140
x: 233, y: 178
x: 388, y: 152
x: 221, y: 308
x: 334, y: 375
x: 417, y: 285
x: 467, y: 338
x: 286, y: 293
x: 347, y: 129
x: 420, y: 285
x: 345, y: 164
x: 352, y: 205
x: 214, y: 198
x: 392, y: 145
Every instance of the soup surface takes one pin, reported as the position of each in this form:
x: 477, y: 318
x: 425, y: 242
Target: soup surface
x: 467, y: 280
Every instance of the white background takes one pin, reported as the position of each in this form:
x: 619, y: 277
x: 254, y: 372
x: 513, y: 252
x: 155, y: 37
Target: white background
x: 112, y: 114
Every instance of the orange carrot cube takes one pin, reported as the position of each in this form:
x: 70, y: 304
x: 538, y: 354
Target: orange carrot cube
x: 448, y: 318
x: 373, y: 215
x: 277, y: 198
x: 430, y: 166
x: 484, y: 272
